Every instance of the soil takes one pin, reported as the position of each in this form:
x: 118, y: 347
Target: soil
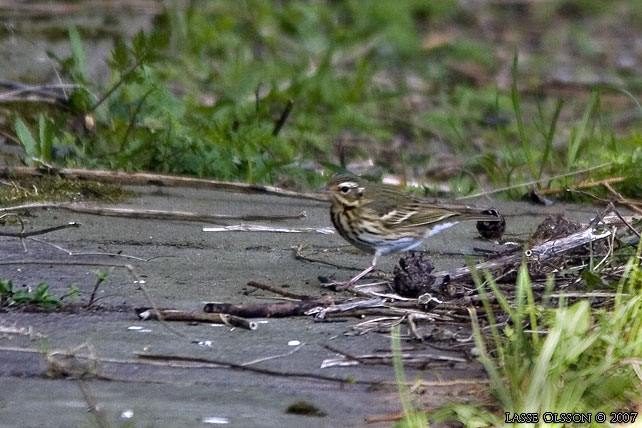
x: 186, y: 267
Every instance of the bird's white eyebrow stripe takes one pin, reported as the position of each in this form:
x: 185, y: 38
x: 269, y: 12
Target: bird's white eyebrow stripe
x: 350, y: 184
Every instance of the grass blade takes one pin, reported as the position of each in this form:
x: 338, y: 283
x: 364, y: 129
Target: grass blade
x: 519, y: 120
x: 484, y: 359
x: 549, y: 137
x: 574, y: 147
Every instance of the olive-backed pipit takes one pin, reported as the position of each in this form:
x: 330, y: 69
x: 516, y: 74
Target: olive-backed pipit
x: 379, y: 219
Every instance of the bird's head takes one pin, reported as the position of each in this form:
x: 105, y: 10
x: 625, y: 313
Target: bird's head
x: 346, y: 189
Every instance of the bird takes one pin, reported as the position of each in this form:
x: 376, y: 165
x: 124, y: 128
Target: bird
x: 379, y: 219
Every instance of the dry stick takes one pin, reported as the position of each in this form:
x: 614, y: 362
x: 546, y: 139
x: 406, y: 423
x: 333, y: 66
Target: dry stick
x: 195, y: 316
x: 273, y: 357
x: 103, y: 359
x: 381, y: 312
x: 298, y: 255
x: 584, y: 185
x: 269, y: 310
x: 540, y: 253
x: 626, y: 223
x: 90, y: 253
x: 66, y: 8
x: 92, y: 403
x: 22, y: 227
x: 344, y: 354
x: 408, y: 358
x: 624, y: 201
x: 22, y: 234
x: 129, y: 178
x: 238, y: 366
x: 280, y: 292
x: 516, y: 186
x: 147, y: 214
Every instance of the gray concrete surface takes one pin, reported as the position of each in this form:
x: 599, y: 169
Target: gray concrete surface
x: 186, y: 267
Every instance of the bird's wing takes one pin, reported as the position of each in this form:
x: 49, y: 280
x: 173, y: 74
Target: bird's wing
x: 401, y: 211
x: 416, y: 215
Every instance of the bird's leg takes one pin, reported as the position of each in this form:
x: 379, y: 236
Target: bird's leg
x: 339, y: 285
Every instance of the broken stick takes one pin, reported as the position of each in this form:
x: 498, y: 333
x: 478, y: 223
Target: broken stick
x: 148, y: 214
x: 269, y: 310
x: 129, y: 178
x: 195, y: 316
x: 538, y: 254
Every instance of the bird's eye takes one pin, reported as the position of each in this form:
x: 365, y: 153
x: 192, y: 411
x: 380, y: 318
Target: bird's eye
x: 344, y: 189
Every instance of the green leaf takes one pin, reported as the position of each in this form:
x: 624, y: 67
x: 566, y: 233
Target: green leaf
x: 139, y: 45
x: 42, y: 297
x: 77, y: 52
x: 6, y: 287
x: 46, y: 138
x: 22, y: 296
x: 29, y: 144
x: 119, y: 59
x: 593, y: 280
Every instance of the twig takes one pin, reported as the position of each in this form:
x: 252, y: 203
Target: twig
x: 273, y: 357
x: 529, y: 183
x: 343, y: 353
x: 147, y: 214
x: 122, y: 177
x: 345, y: 307
x: 261, y: 228
x: 298, y: 255
x: 132, y: 121
x: 238, y: 366
x: 111, y: 90
x: 385, y: 311
x: 584, y: 185
x: 540, y: 254
x: 96, y: 253
x: 279, y: 291
x: 284, y: 116
x: 92, y: 403
x: 408, y: 358
x: 269, y: 310
x: 22, y: 228
x: 588, y: 295
x: 22, y: 234
x: 623, y: 200
x: 66, y: 8
x: 626, y: 223
x: 103, y: 359
x: 194, y: 316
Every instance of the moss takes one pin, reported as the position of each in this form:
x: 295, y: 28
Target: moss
x: 305, y: 408
x: 57, y: 189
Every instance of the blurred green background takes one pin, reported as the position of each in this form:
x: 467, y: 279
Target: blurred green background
x: 461, y: 95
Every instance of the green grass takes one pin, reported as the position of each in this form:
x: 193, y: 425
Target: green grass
x: 12, y: 296
x: 412, y: 417
x: 574, y: 359
x: 202, y: 92
x: 563, y: 359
